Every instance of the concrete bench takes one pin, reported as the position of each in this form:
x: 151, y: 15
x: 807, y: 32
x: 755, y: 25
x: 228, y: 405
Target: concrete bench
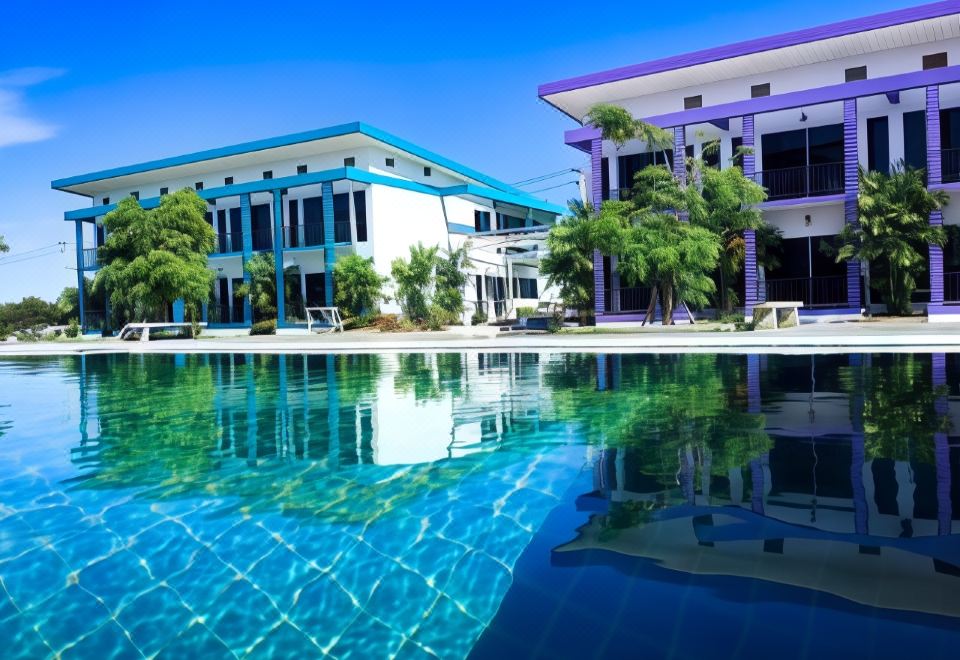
x: 776, y: 315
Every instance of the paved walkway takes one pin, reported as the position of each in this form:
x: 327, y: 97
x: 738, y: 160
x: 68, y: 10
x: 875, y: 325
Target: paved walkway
x: 878, y: 335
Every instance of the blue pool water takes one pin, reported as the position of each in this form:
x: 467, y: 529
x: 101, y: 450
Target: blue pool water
x: 493, y: 505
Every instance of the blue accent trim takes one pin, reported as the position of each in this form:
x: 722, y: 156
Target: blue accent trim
x: 461, y: 229
x: 246, y: 228
x: 79, y: 239
x: 337, y: 174
x: 283, y: 141
x: 329, y: 252
x: 179, y: 310
x: 278, y: 256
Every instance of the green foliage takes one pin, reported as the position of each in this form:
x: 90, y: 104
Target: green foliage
x: 359, y: 288
x: 28, y: 313
x: 568, y: 263
x: 894, y: 231
x: 262, y: 287
x: 618, y: 125
x: 414, y: 280
x: 3, y: 245
x: 478, y: 318
x: 73, y: 329
x: 151, y: 258
x: 5, y: 331
x: 526, y: 312
x: 68, y: 303
x: 268, y: 327
x: 451, y: 278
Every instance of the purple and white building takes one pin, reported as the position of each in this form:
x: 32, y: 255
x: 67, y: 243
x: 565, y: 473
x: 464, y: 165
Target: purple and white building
x: 814, y: 105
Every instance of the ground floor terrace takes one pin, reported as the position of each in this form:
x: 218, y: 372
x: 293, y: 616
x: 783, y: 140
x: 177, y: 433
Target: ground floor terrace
x: 804, y: 148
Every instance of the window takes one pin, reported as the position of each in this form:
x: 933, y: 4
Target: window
x: 360, y: 212
x: 915, y: 139
x: 710, y: 152
x: 302, y: 169
x: 605, y: 178
x: 628, y: 166
x: 228, y: 180
x: 856, y: 73
x: 198, y: 186
x: 878, y: 144
x: 736, y: 143
x: 268, y: 174
x: 350, y: 162
x: 390, y: 162
x: 164, y: 191
x: 481, y: 220
x: 505, y: 221
x: 525, y: 287
x: 756, y: 91
x: 691, y: 102
x: 105, y: 201
x: 135, y: 194
x: 935, y: 61
x: 427, y: 171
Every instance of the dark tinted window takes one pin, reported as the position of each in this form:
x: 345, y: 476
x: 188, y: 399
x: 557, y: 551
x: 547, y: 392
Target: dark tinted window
x: 605, y: 178
x: 350, y: 162
x: 164, y: 191
x: 915, y: 139
x: 135, y: 194
x: 301, y: 169
x: 691, y: 102
x: 856, y: 73
x: 826, y: 144
x: 198, y: 186
x: 935, y: 61
x: 783, y: 150
x: 268, y: 174
x: 878, y: 144
x: 736, y: 143
x: 360, y: 209
x: 427, y: 171
x: 390, y: 162
x: 228, y: 181
x: 950, y: 128
x: 756, y: 91
x: 481, y: 220
x: 105, y: 201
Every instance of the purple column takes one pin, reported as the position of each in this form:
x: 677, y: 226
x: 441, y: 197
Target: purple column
x: 754, y: 401
x: 750, y: 271
x: 596, y: 199
x: 941, y: 449
x: 680, y: 153
x: 934, y: 178
x: 749, y: 160
x: 851, y: 187
x: 757, y: 483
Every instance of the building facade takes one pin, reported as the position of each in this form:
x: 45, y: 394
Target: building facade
x: 311, y: 198
x: 812, y: 106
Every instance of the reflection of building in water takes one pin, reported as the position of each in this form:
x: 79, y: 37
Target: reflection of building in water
x: 815, y: 511
x: 356, y: 409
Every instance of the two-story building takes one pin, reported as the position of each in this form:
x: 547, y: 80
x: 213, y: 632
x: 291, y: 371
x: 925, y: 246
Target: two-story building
x: 310, y: 198
x: 811, y: 106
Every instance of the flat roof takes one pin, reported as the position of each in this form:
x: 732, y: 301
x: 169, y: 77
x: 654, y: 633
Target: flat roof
x: 561, y: 88
x: 354, y: 128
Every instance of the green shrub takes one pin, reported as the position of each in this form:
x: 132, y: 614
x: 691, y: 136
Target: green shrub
x: 73, y: 329
x: 196, y: 328
x: 5, y: 331
x: 358, y: 286
x: 526, y: 312
x: 268, y: 327
x: 478, y: 318
x: 438, y: 317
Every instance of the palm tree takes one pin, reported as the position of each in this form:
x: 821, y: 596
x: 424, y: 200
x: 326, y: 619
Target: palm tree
x: 894, y: 231
x: 3, y: 245
x: 619, y: 126
x: 568, y: 263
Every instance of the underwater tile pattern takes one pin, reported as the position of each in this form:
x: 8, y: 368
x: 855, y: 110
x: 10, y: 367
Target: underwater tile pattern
x: 116, y: 542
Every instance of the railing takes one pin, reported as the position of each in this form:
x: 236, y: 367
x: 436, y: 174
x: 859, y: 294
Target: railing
x: 626, y: 299
x: 830, y: 291
x: 341, y: 232
x: 303, y: 236
x: 951, y: 287
x: 90, y: 259
x: 805, y: 181
x: 950, y: 165
x: 94, y: 320
x: 219, y: 313
x: 262, y: 239
x: 227, y: 243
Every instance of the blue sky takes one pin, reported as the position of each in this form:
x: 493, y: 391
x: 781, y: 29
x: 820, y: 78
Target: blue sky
x: 85, y: 86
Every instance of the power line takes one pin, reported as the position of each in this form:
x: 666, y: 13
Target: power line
x: 38, y: 253
x: 559, y: 185
x: 16, y: 255
x: 544, y: 177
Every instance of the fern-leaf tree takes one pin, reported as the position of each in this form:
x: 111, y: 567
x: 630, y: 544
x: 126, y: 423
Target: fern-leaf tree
x: 894, y: 231
x: 568, y: 263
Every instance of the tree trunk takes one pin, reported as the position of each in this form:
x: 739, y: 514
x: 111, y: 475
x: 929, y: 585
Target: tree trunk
x: 667, y: 304
x: 651, y: 308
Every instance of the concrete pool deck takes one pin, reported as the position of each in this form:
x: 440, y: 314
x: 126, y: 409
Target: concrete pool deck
x: 880, y: 335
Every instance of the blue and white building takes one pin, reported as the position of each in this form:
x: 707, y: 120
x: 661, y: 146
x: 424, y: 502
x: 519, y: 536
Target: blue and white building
x: 310, y: 198
x: 813, y: 105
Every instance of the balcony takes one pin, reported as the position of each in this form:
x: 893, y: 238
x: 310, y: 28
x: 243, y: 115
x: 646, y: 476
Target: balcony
x: 227, y: 243
x: 951, y: 287
x: 626, y: 300
x: 950, y: 165
x: 311, y: 235
x: 262, y: 239
x: 217, y: 313
x: 830, y: 291
x: 800, y: 182
x: 89, y: 259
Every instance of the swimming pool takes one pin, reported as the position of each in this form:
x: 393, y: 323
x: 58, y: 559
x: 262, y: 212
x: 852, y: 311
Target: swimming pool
x: 561, y: 505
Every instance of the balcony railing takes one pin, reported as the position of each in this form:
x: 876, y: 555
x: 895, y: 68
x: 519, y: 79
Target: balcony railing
x: 303, y: 236
x: 218, y: 313
x: 830, y: 291
x: 626, y: 299
x: 227, y: 243
x: 341, y: 232
x: 950, y: 165
x: 262, y: 239
x: 951, y: 287
x: 805, y: 181
x: 90, y: 259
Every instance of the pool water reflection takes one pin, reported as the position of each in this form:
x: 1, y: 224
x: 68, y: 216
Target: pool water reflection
x: 496, y: 504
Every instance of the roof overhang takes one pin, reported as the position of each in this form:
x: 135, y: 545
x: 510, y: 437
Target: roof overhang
x: 905, y: 27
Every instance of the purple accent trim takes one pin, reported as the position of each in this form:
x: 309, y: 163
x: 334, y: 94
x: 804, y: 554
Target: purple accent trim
x: 581, y: 138
x: 934, y: 169
x: 816, y: 96
x: 722, y: 124
x: 754, y: 398
x: 941, y: 449
x: 818, y: 201
x: 761, y: 45
x: 893, y: 97
x: 947, y: 308
x: 749, y: 140
x: 618, y: 318
x: 936, y: 264
x: 680, y: 153
x: 825, y: 311
x: 596, y: 173
x: 851, y: 188
x: 756, y: 482
x: 599, y: 298
x: 750, y: 271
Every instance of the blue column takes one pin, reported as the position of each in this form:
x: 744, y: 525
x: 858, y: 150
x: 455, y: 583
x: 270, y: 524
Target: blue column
x: 178, y: 310
x: 278, y: 254
x: 79, y: 239
x: 851, y: 189
x: 329, y: 253
x: 246, y: 228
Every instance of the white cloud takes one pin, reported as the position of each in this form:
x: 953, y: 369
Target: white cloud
x: 16, y: 126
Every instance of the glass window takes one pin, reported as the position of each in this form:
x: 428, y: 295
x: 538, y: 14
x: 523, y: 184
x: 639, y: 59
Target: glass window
x: 878, y: 144
x: 301, y: 169
x: 268, y: 174
x: 826, y: 144
x: 856, y: 73
x: 605, y: 178
x: 757, y: 91
x: 784, y: 150
x: 427, y: 171
x: 228, y: 180
x: 105, y: 201
x: 360, y: 209
x: 164, y: 191
x: 198, y: 186
x: 350, y: 162
x: 135, y: 194
x: 390, y: 162
x: 915, y: 139
x: 934, y: 61
x: 481, y: 220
